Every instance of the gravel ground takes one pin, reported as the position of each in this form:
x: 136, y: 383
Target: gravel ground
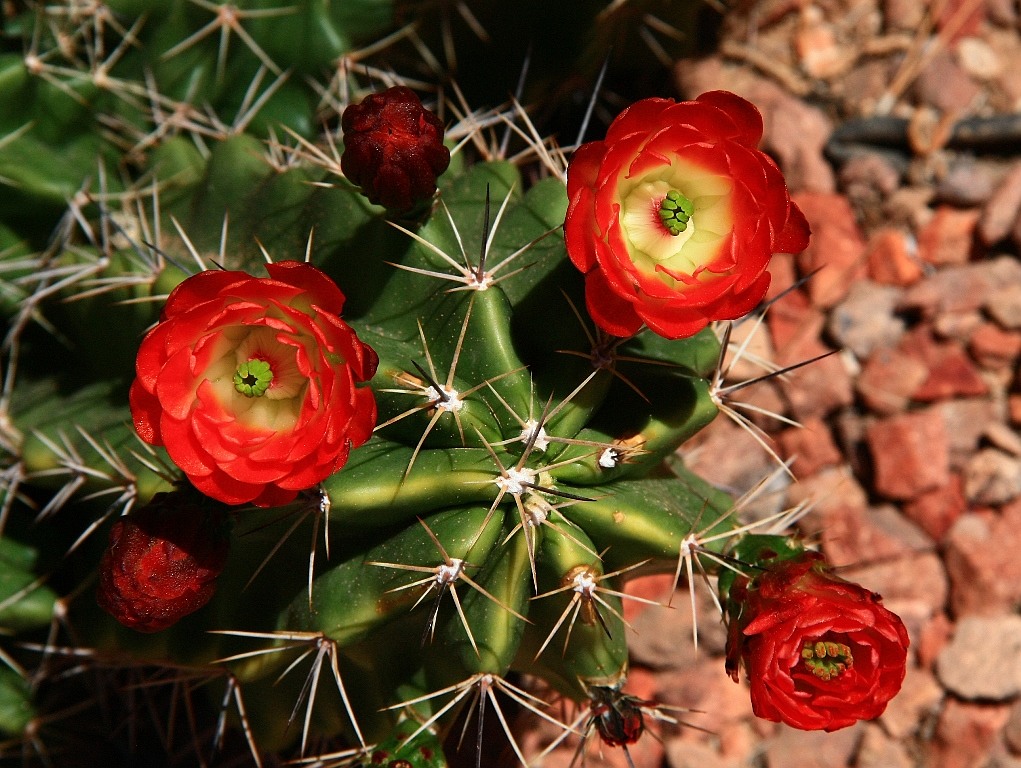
x: 898, y: 126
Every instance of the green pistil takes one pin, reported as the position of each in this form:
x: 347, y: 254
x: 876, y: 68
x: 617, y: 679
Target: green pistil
x: 675, y: 212
x: 253, y: 378
x: 827, y: 660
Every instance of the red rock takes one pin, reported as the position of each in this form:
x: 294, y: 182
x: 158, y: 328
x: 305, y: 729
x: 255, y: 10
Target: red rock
x: 981, y: 558
x: 812, y: 445
x: 888, y: 380
x: 658, y: 587
x: 905, y: 15
x: 957, y: 326
x: 964, y: 733
x: 960, y: 18
x: 938, y: 509
x: 967, y: 422
x: 951, y: 374
x: 994, y: 348
x: 919, y: 697
x: 815, y: 42
x: 812, y: 749
x: 910, y: 454
x: 793, y: 322
x: 837, y: 248
x: 1014, y: 409
x: 992, y: 477
x: 783, y: 275
x: 944, y: 85
x: 932, y: 640
x: 961, y: 289
x: 853, y: 535
x: 1002, y: 209
x: 1004, y: 306
x: 890, y: 261
x: 877, y: 750
x: 949, y: 237
x: 820, y: 387
x: 726, y: 455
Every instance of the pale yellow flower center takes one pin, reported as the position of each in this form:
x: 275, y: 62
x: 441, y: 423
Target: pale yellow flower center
x: 279, y: 406
x: 650, y: 243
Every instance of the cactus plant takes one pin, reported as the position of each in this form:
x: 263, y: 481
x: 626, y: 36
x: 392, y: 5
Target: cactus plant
x: 445, y: 488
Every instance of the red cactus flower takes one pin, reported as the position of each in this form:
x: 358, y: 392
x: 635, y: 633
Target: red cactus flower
x: 252, y: 383
x: 162, y: 562
x: 821, y: 653
x: 393, y: 148
x: 674, y: 216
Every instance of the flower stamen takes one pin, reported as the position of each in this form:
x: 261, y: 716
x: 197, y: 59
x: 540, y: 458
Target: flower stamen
x: 827, y: 660
x: 675, y: 211
x: 253, y: 377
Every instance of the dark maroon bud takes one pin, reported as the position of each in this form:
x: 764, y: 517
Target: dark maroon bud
x: 393, y: 148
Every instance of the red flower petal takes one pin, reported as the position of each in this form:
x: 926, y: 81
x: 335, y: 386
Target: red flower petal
x: 657, y: 142
x: 796, y: 603
x: 262, y: 451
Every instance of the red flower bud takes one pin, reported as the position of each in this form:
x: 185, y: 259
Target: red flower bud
x: 162, y: 562
x: 393, y: 148
x: 821, y: 652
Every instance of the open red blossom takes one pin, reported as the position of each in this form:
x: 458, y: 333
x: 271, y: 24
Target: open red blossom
x: 393, y: 148
x: 674, y: 216
x: 252, y: 383
x: 821, y: 653
x: 162, y: 562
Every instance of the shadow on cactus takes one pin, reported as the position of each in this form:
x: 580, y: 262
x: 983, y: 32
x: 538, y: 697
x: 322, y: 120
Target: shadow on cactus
x: 347, y: 533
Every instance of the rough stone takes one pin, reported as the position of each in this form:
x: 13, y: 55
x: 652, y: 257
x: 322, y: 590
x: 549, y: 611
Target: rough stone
x: 888, y: 380
x: 937, y: 510
x: 944, y: 85
x: 961, y: 289
x: 910, y: 454
x: 865, y: 319
x: 957, y: 326
x: 1002, y: 12
x: 756, y: 343
x: 981, y: 560
x: 967, y: 421
x: 1004, y: 305
x: 902, y: 15
x: 949, y: 236
x: 811, y: 445
x: 978, y: 58
x: 951, y: 374
x: 819, y: 388
x: 816, y: 45
x: 694, y: 754
x: 1014, y: 409
x: 969, y: 182
x: 993, y: 348
x: 1012, y: 730
x: 868, y: 178
x: 791, y: 748
x: 794, y: 325
x: 877, y: 750
x: 903, y: 567
x: 983, y: 660
x: 919, y: 695
x: 662, y: 637
x: 992, y: 477
x: 836, y: 249
x: 964, y: 734
x: 892, y: 258
x: 1002, y: 209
